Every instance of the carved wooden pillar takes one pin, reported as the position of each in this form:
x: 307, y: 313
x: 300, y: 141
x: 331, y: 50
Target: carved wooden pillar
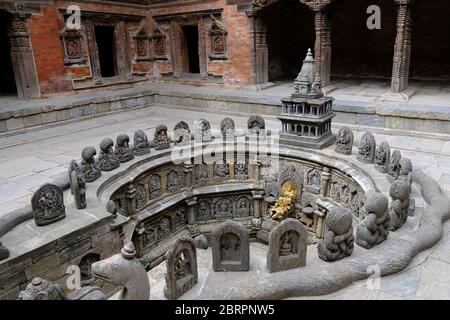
x: 123, y: 59
x: 322, y: 47
x: 202, y: 48
x: 402, y: 49
x: 93, y: 56
x: 259, y: 49
x: 22, y: 57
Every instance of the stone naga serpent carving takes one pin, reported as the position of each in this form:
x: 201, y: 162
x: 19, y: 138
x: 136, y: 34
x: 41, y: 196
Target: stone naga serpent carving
x: 124, y: 270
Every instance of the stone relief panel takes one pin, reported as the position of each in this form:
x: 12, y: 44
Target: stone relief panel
x: 313, y: 181
x: 221, y: 170
x: 243, y: 207
x: 72, y: 46
x: 204, y: 210
x: 174, y: 181
x: 141, y: 196
x: 201, y: 175
x: 155, y: 186
x: 223, y: 209
x: 218, y: 37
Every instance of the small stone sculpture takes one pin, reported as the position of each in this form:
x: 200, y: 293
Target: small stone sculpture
x: 141, y: 144
x: 107, y: 159
x: 344, y: 141
x: 182, y: 273
x: 230, y: 247
x: 366, y: 151
x: 338, y: 241
x: 382, y: 157
x: 287, y: 246
x: 256, y: 124
x: 394, y: 166
x: 124, y: 270
x: 161, y: 140
x: 4, y: 253
x: 123, y: 151
x: 221, y: 169
x: 399, y: 191
x: 41, y: 289
x: 88, y: 165
x: 202, y: 131
x: 48, y: 205
x: 181, y: 133
x: 227, y: 128
x: 405, y: 168
x: 374, y: 229
x: 241, y: 169
x: 78, y: 187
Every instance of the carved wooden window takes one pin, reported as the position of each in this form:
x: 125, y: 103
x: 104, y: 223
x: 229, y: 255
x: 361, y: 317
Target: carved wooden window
x: 218, y: 38
x: 141, y: 45
x: 159, y: 44
x: 72, y: 45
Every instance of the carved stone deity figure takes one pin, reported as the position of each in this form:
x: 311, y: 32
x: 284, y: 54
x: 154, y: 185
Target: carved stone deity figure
x: 107, y: 159
x: 202, y: 131
x: 78, y: 187
x: 181, y: 133
x: 141, y: 144
x: 241, y: 169
x: 123, y: 151
x: 405, y: 168
x: 344, y: 141
x: 221, y: 169
x: 382, y: 157
x: 182, y: 273
x: 366, y: 151
x: 48, y: 205
x: 338, y: 241
x: 394, y: 166
x: 255, y: 124
x: 201, y: 173
x: 88, y: 165
x: 227, y: 128
x: 399, y: 191
x: 161, y: 139
x: 374, y: 229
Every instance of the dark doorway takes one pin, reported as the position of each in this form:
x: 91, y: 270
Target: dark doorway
x: 191, y: 56
x: 358, y: 51
x: 7, y: 80
x: 290, y: 33
x: 104, y: 36
x: 430, y: 48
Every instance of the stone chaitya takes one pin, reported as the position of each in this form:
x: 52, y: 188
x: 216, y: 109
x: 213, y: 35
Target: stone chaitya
x: 123, y: 149
x: 181, y: 133
x: 230, y: 247
x: 306, y: 116
x: 141, y: 145
x: 202, y: 131
x: 161, y: 139
x: 48, y: 205
x: 399, y: 191
x: 287, y: 246
x: 88, y: 164
x: 107, y: 159
x: 366, y: 149
x: 344, y: 141
x: 394, y: 166
x: 338, y: 241
x: 382, y: 157
x: 182, y: 273
x: 227, y: 128
x: 374, y: 229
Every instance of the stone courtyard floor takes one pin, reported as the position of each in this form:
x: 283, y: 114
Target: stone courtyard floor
x: 39, y: 155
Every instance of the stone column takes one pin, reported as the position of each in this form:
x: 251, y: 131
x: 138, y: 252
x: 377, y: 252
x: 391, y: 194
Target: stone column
x: 191, y: 203
x: 257, y: 203
x: 402, y: 49
x: 130, y: 196
x: 259, y: 49
x: 22, y: 57
x: 188, y: 170
x: 325, y: 177
x: 322, y: 47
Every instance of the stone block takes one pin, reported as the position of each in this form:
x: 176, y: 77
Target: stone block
x: 130, y: 103
x: 34, y: 120
x: 41, y: 266
x: 12, y: 294
x: 116, y: 105
x: 3, y: 127
x: 9, y: 281
x: 102, y: 107
x: 62, y: 115
x: 75, y: 250
x: 49, y: 117
x: 141, y: 102
x: 14, y: 123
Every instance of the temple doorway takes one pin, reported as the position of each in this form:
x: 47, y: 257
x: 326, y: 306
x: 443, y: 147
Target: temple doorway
x: 7, y: 79
x: 104, y: 36
x: 191, y: 58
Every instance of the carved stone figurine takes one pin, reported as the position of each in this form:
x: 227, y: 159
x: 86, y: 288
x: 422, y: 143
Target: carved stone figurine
x: 374, y: 229
x: 161, y: 139
x: 338, y: 241
x: 48, y: 205
x: 227, y: 128
x: 88, y: 165
x: 344, y: 141
x: 41, y: 289
x: 255, y: 124
x: 107, y: 159
x: 366, y: 151
x: 394, y: 166
x: 382, y: 157
x: 202, y: 131
x: 123, y: 150
x: 77, y: 186
x: 124, y: 270
x: 405, y: 168
x: 399, y: 191
x: 181, y: 133
x: 141, y: 144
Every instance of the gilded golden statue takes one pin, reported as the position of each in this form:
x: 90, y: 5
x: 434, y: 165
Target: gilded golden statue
x: 285, y: 204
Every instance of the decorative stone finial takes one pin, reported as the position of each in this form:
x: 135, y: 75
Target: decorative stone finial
x: 128, y: 251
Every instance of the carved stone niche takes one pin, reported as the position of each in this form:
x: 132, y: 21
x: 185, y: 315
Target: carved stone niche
x: 159, y: 44
x: 85, y: 268
x: 287, y: 246
x: 141, y: 45
x: 72, y: 45
x: 218, y: 37
x: 48, y: 205
x: 230, y: 247
x: 182, y: 273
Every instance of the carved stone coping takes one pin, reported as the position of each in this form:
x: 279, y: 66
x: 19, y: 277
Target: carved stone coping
x: 187, y: 15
